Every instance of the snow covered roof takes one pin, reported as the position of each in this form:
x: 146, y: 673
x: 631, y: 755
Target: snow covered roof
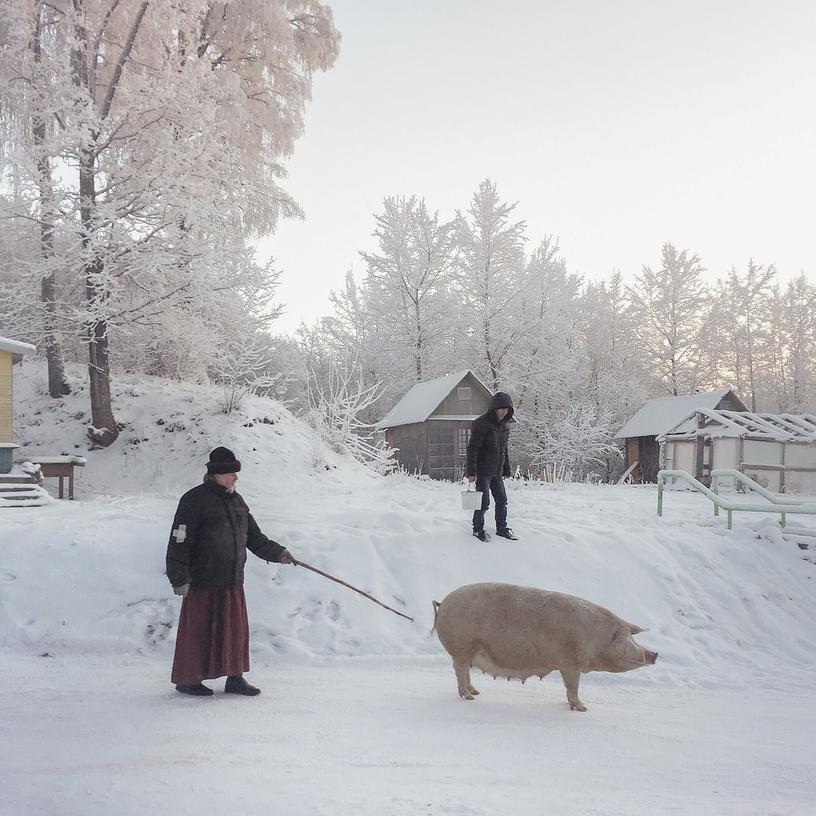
x: 423, y: 399
x: 776, y: 427
x: 17, y: 348
x: 658, y: 416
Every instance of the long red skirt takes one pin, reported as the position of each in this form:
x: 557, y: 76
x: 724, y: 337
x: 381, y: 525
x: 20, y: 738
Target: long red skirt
x: 213, y: 636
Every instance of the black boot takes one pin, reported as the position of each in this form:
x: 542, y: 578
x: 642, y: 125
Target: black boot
x: 481, y: 535
x: 237, y: 685
x: 506, y: 532
x: 197, y: 691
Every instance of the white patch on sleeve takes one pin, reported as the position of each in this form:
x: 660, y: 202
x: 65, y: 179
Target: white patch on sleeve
x: 180, y: 534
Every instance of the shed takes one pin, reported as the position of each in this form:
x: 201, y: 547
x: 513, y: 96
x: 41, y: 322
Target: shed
x: 776, y: 450
x: 11, y: 352
x: 656, y: 417
x: 430, y: 425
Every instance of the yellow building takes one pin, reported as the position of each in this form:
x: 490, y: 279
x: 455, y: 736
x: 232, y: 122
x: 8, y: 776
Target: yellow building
x: 11, y: 352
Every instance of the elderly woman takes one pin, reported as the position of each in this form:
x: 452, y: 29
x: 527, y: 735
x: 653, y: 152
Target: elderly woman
x: 212, y: 531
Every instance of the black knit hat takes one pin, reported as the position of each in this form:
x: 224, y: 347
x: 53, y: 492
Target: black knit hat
x: 222, y: 460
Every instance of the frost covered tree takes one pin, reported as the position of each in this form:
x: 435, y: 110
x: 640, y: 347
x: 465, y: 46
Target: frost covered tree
x: 32, y: 63
x: 793, y: 353
x: 576, y: 440
x: 242, y: 365
x: 174, y: 120
x: 544, y: 367
x: 617, y: 379
x: 408, y: 282
x: 242, y: 359
x: 616, y: 375
x: 346, y: 334
x: 544, y: 324
x: 743, y: 306
x: 488, y: 275
x: 348, y: 328
x: 672, y: 309
x: 20, y: 309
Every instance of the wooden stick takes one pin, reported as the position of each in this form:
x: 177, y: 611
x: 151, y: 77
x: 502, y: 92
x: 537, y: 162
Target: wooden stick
x: 337, y: 580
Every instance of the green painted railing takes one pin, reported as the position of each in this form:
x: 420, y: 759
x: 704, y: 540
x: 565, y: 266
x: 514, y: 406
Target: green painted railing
x: 774, y: 504
x: 747, y: 481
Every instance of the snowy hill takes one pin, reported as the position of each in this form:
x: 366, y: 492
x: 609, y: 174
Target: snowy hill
x: 730, y: 612
x: 721, y: 606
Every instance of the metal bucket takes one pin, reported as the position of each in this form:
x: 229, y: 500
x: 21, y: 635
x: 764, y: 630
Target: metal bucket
x: 471, y: 500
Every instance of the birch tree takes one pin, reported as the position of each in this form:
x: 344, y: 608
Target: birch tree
x: 176, y: 126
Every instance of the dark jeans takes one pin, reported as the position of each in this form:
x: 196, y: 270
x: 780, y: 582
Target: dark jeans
x: 487, y: 485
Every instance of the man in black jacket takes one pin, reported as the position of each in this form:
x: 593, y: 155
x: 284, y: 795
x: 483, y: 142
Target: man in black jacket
x: 212, y: 531
x: 488, y: 461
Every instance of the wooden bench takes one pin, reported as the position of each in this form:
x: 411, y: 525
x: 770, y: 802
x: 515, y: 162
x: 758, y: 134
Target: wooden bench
x: 60, y: 467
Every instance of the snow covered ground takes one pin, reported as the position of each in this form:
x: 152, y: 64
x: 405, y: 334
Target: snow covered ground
x: 359, y: 712
x: 354, y: 736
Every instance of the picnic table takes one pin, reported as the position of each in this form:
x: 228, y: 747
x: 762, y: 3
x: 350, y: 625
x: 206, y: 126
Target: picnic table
x: 60, y: 467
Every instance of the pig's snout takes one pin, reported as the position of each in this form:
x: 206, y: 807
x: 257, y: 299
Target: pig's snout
x: 651, y: 657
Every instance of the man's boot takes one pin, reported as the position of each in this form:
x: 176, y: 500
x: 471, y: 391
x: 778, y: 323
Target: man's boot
x: 199, y: 690
x: 506, y: 532
x: 237, y: 685
x: 481, y: 535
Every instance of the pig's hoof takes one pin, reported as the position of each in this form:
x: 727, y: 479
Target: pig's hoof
x: 473, y: 690
x: 466, y: 695
x: 579, y: 706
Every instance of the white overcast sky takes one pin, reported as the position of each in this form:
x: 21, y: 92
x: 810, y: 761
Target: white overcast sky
x: 616, y: 126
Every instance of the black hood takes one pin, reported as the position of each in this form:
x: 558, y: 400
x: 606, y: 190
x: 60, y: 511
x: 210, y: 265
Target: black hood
x: 502, y: 400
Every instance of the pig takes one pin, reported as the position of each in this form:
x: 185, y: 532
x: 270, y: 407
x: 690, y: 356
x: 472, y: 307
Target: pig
x: 517, y: 632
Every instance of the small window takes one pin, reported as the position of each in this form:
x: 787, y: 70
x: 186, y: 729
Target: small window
x: 462, y: 439
x: 463, y: 393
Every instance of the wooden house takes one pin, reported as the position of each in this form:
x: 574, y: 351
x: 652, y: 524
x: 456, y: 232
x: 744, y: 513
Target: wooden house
x: 656, y: 417
x: 776, y: 450
x: 430, y: 425
x: 11, y: 352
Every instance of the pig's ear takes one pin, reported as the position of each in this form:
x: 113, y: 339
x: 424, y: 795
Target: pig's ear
x: 635, y: 629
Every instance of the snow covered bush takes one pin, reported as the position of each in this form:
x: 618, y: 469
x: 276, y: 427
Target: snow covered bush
x: 243, y: 366
x: 574, y: 439
x: 334, y: 412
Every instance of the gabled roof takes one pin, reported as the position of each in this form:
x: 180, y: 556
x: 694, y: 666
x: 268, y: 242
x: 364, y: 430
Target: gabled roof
x: 17, y: 348
x: 776, y: 427
x: 423, y: 399
x: 657, y: 416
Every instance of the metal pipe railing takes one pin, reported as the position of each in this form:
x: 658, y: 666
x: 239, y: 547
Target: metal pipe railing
x: 739, y: 476
x: 774, y: 506
x: 747, y: 481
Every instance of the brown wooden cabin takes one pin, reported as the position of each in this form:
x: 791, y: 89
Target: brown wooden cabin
x: 430, y: 425
x: 658, y: 416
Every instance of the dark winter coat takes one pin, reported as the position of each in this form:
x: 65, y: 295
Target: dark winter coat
x: 218, y: 530
x: 487, y: 450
